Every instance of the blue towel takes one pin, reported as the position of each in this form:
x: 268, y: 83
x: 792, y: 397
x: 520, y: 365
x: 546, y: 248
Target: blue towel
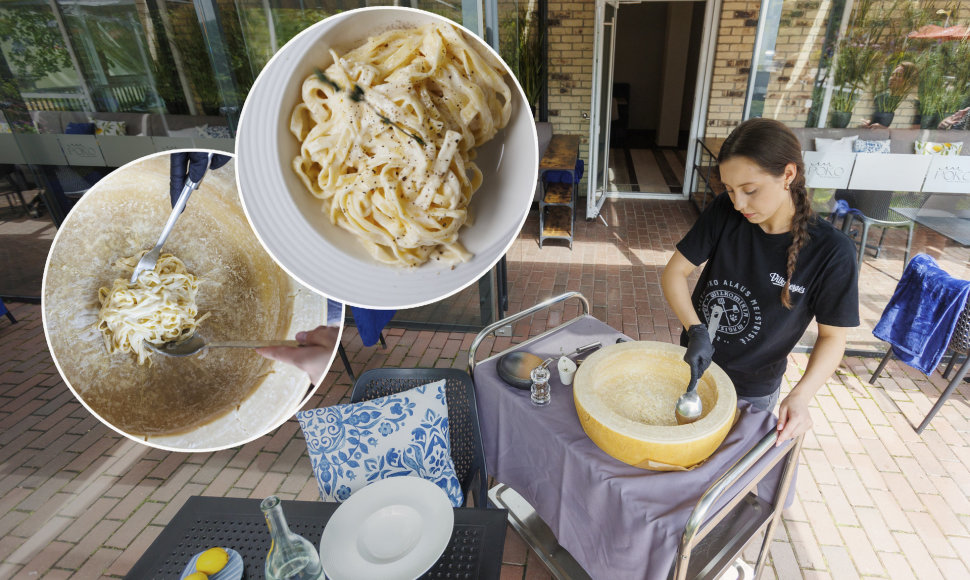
x: 334, y: 313
x: 842, y: 207
x: 370, y: 323
x: 922, y: 313
x: 563, y: 176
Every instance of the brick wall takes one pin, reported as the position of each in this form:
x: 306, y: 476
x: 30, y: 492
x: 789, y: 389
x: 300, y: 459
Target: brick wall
x: 570, y: 33
x: 571, y: 25
x: 570, y: 39
x: 789, y: 92
x: 732, y: 62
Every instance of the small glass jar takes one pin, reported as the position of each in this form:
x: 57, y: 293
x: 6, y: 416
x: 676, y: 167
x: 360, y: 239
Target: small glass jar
x: 541, y: 391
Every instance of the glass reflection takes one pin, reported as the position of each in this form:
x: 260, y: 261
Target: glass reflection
x: 895, y: 63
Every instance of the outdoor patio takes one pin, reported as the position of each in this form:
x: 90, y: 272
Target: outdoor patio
x: 874, y: 499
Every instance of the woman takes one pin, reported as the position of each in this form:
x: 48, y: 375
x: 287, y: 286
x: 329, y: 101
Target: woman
x: 772, y: 266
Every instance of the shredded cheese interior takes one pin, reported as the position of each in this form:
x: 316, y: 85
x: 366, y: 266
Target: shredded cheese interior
x: 388, y: 135
x: 158, y: 308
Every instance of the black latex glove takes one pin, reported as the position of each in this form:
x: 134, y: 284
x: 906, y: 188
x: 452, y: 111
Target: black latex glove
x: 699, y: 350
x: 190, y: 165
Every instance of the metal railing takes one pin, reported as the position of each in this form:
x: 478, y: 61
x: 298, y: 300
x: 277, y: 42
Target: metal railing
x: 44, y: 101
x: 120, y: 95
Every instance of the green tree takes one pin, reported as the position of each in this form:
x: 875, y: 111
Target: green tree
x: 36, y: 48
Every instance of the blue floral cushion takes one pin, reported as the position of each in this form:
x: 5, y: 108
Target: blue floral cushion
x: 867, y: 146
x: 353, y: 445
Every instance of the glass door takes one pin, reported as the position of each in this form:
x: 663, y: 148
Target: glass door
x: 599, y: 126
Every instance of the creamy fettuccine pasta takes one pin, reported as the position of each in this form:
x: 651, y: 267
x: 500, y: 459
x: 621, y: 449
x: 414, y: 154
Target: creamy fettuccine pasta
x: 388, y: 135
x: 158, y: 308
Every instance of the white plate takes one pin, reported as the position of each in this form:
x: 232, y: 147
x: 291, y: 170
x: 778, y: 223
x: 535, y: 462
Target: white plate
x: 233, y: 569
x: 288, y: 220
x: 393, y: 529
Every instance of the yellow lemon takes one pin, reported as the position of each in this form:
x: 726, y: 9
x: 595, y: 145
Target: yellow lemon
x: 212, y: 560
x: 196, y: 576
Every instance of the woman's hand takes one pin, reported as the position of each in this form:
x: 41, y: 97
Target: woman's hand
x: 793, y: 416
x: 953, y: 119
x: 700, y: 351
x: 313, y: 357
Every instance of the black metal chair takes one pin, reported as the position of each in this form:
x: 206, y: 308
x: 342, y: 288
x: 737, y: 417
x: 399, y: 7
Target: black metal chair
x: 12, y: 186
x: 959, y: 345
x: 464, y: 433
x: 875, y: 208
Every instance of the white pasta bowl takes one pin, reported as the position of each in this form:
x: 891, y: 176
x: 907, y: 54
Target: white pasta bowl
x: 290, y: 222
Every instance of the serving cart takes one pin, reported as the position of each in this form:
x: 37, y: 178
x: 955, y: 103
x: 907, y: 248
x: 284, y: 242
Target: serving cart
x: 588, y: 515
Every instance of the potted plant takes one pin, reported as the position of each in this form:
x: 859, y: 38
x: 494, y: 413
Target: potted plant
x: 842, y: 104
x: 875, y: 55
x: 521, y: 41
x: 944, y: 65
x: 897, y: 74
x: 891, y: 84
x: 857, y: 56
x: 531, y: 66
x: 943, y: 83
x: 854, y: 64
x: 958, y: 78
x: 929, y: 88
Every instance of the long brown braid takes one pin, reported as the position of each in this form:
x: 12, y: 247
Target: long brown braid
x: 773, y: 146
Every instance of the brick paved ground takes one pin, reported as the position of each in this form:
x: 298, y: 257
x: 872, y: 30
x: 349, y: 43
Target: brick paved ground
x: 874, y: 499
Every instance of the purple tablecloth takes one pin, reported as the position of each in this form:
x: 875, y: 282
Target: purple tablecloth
x: 616, y: 520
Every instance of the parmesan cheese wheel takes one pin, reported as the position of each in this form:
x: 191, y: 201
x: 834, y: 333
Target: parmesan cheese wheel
x: 625, y: 397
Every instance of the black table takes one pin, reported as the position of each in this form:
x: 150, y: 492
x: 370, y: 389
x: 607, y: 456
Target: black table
x: 954, y: 225
x: 474, y: 551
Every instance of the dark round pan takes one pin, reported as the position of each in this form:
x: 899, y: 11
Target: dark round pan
x: 515, y: 368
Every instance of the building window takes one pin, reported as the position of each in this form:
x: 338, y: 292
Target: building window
x: 898, y: 63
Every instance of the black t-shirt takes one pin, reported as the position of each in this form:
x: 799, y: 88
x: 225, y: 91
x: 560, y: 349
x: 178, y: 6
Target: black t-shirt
x: 745, y: 273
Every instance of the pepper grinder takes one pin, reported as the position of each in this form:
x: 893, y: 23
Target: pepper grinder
x: 541, y: 391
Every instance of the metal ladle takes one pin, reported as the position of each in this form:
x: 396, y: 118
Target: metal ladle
x: 195, y: 344
x: 689, y: 407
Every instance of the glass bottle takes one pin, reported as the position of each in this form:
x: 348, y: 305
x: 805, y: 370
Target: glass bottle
x: 541, y: 391
x: 290, y: 555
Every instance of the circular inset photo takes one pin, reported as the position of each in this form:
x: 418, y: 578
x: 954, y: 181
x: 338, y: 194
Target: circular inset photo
x: 148, y: 354
x: 387, y: 157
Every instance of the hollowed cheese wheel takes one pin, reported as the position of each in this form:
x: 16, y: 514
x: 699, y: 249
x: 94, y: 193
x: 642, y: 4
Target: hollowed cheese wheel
x: 625, y: 396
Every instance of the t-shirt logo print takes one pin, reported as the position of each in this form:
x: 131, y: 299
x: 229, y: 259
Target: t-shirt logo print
x: 779, y: 280
x: 742, y: 313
